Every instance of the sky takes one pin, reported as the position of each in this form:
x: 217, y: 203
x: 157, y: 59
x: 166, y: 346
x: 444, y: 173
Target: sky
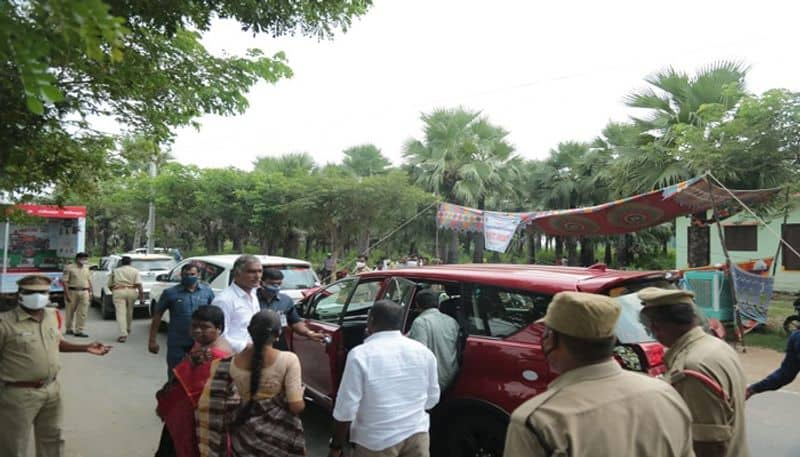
x: 547, y: 72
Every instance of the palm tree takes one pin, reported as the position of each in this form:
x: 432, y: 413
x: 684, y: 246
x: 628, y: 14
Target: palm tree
x: 290, y: 165
x: 365, y: 160
x: 679, y: 99
x: 466, y: 160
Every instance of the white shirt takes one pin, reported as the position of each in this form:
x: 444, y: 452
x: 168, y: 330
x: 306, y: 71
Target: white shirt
x: 238, y: 307
x: 388, y: 384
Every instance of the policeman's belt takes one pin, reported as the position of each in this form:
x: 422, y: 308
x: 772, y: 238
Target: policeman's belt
x: 31, y: 384
x: 78, y: 288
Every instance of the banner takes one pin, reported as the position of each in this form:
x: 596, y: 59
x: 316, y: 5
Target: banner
x: 753, y: 293
x: 498, y: 230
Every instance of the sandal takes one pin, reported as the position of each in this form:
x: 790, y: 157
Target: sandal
x: 122, y: 339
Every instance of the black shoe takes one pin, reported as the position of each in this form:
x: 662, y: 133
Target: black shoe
x: 81, y: 335
x: 70, y: 332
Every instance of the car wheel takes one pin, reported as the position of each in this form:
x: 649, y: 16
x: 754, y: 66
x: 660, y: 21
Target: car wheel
x: 107, y: 306
x: 476, y: 435
x: 791, y: 324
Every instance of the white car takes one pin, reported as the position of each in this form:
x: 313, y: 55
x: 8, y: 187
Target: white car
x: 215, y: 272
x: 149, y: 267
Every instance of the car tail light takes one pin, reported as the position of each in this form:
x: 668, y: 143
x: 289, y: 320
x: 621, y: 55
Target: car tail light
x: 654, y: 358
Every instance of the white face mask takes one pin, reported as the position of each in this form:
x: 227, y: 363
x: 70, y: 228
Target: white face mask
x: 82, y: 262
x: 35, y: 301
x: 360, y: 264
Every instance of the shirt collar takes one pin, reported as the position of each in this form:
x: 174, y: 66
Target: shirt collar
x: 589, y: 372
x: 241, y: 293
x: 22, y: 315
x: 682, y: 343
x: 383, y: 335
x: 429, y: 311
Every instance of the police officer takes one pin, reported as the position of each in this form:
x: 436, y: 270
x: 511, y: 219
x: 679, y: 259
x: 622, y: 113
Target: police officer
x: 30, y: 393
x: 181, y: 300
x: 77, y: 291
x: 594, y: 407
x: 270, y: 297
x: 126, y: 286
x: 702, y: 368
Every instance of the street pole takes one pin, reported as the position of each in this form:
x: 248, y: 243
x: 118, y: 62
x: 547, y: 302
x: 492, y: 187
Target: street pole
x: 151, y: 211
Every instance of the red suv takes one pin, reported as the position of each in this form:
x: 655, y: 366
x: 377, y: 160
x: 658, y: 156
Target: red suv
x: 502, y: 363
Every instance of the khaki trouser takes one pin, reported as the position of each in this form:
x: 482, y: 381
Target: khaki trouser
x: 124, y: 300
x: 417, y: 445
x: 23, y: 407
x: 77, y: 305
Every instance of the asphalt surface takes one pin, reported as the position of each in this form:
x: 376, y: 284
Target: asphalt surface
x: 109, y: 403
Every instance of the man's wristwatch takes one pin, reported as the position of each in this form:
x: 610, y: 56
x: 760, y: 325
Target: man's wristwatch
x: 335, y: 447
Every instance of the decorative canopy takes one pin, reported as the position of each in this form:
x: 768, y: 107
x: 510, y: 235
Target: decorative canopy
x: 620, y: 216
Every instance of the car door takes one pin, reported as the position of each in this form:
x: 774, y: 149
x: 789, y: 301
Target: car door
x: 321, y: 361
x: 401, y: 291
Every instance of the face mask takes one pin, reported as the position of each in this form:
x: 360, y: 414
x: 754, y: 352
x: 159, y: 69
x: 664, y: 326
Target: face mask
x: 273, y: 289
x: 82, y: 262
x: 35, y: 301
x: 189, y: 281
x: 360, y: 264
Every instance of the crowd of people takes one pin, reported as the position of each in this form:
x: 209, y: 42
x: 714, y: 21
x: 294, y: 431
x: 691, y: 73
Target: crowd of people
x: 234, y: 389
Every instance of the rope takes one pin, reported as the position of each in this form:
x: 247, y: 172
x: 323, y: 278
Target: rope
x: 780, y: 239
x: 399, y: 227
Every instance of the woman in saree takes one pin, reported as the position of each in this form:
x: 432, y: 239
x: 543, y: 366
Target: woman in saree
x: 250, y: 406
x: 178, y: 399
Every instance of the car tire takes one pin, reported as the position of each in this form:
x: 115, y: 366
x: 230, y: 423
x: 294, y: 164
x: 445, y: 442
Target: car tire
x: 475, y: 435
x: 791, y: 324
x: 107, y: 306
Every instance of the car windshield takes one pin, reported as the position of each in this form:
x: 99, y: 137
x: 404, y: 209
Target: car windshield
x: 152, y: 264
x: 297, y: 277
x: 629, y: 329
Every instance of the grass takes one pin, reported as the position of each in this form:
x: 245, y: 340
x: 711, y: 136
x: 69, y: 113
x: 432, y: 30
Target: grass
x: 772, y: 336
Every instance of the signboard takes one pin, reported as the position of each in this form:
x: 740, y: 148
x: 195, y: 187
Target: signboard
x: 53, y: 211
x: 499, y: 228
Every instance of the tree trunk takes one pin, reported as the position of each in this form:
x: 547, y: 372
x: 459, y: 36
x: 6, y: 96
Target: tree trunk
x: 587, y: 252
x: 309, y: 242
x: 452, y: 249
x: 607, y: 258
x: 533, y: 239
x: 572, y: 250
x: 699, y: 246
x: 559, y: 249
x: 292, y: 245
x: 478, y: 242
x: 624, y: 250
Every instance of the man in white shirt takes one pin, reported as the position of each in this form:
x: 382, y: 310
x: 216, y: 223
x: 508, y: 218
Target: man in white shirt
x: 239, y: 301
x: 389, y: 383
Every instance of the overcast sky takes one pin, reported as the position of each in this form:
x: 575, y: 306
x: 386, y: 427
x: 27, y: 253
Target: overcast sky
x: 545, y: 71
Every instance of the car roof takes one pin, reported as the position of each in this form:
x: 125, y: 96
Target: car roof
x: 134, y: 256
x: 540, y: 278
x: 228, y: 259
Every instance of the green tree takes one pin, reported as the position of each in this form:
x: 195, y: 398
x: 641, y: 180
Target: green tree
x: 141, y: 63
x: 289, y: 165
x: 466, y: 160
x: 365, y: 160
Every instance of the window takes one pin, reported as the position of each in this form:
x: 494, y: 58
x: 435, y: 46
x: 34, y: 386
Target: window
x: 399, y: 291
x: 296, y: 276
x: 499, y: 312
x: 791, y: 234
x: 330, y: 301
x: 208, y: 271
x: 363, y: 298
x: 152, y: 264
x: 741, y: 237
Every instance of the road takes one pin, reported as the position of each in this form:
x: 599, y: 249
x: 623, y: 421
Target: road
x: 109, y: 403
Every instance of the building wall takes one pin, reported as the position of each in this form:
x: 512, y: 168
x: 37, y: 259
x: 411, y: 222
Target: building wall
x: 785, y: 280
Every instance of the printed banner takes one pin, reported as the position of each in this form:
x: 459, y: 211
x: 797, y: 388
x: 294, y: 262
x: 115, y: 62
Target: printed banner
x: 753, y: 293
x: 498, y: 230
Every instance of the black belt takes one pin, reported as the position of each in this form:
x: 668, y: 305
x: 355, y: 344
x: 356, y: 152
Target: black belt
x: 79, y: 288
x: 31, y: 384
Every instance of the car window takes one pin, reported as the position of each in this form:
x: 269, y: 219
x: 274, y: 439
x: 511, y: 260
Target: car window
x: 363, y: 298
x: 498, y: 312
x: 208, y: 271
x: 297, y: 276
x: 330, y: 301
x: 629, y: 327
x: 400, y: 291
x: 152, y: 264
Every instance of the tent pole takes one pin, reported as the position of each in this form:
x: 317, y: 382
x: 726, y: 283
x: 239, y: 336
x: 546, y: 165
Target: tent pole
x: 5, y: 246
x: 737, y: 318
x: 785, y: 219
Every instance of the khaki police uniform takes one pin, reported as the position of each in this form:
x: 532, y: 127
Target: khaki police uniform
x: 707, y: 373
x: 77, y: 280
x: 30, y: 393
x: 598, y: 409
x: 123, y: 284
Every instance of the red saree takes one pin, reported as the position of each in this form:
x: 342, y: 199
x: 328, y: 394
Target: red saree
x: 178, y: 400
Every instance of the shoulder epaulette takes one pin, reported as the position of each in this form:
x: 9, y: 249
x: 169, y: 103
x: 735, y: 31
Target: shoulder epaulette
x: 706, y: 380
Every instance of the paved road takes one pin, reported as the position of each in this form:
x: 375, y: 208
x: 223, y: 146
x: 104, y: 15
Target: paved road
x: 110, y: 405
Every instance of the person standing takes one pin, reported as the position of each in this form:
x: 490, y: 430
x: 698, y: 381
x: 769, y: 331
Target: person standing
x: 595, y: 407
x: 181, y: 301
x: 270, y: 297
x: 785, y: 373
x: 77, y: 293
x: 126, y: 286
x: 327, y: 268
x: 439, y: 333
x: 703, y: 369
x: 361, y: 265
x: 239, y: 301
x: 389, y: 383
x: 30, y: 392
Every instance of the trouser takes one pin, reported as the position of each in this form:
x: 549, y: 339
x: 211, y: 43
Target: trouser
x: 124, y: 301
x: 417, y: 445
x: 23, y: 407
x: 77, y: 306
